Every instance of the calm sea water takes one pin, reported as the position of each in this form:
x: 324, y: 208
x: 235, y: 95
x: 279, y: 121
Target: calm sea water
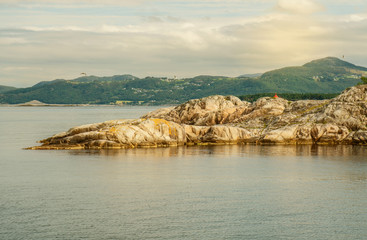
x: 222, y: 192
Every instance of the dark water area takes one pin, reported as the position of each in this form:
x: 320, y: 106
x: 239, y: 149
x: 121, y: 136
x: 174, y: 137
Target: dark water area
x: 217, y: 192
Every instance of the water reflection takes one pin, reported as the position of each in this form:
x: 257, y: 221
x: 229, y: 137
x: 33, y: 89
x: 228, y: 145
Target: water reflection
x: 290, y: 164
x: 206, y: 192
x: 241, y: 150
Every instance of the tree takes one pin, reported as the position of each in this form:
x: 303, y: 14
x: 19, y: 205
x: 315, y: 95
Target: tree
x: 364, y: 80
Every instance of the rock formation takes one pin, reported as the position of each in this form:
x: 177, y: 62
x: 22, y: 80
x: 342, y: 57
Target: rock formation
x: 228, y: 120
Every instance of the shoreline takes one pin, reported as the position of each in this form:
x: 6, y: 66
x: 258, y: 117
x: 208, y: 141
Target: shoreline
x: 221, y: 120
x: 80, y: 105
x: 189, y: 145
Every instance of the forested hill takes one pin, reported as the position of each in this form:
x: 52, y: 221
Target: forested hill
x: 327, y: 75
x: 6, y: 88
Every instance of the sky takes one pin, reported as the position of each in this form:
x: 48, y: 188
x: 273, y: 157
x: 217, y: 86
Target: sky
x: 42, y: 40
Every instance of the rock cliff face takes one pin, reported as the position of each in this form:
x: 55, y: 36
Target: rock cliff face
x: 228, y: 120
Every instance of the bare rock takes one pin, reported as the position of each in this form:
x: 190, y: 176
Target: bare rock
x: 159, y: 113
x: 228, y: 120
x: 225, y: 134
x: 329, y: 133
x: 305, y: 106
x: 284, y: 135
x: 354, y: 94
x: 151, y: 132
x: 348, y: 109
x: 360, y: 137
x: 204, y: 112
x: 119, y: 134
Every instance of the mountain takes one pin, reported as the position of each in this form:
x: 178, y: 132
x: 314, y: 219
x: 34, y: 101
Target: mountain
x: 102, y: 79
x: 87, y: 79
x: 251, y: 75
x: 332, y: 62
x: 44, y: 83
x: 327, y: 75
x: 4, y: 89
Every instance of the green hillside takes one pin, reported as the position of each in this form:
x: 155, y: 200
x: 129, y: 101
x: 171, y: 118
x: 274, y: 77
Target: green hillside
x: 327, y: 75
x: 150, y: 90
x: 4, y: 89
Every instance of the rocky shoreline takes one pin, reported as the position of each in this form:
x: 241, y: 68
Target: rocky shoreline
x: 228, y: 120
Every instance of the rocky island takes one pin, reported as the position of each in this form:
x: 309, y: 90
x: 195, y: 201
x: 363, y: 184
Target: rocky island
x: 228, y: 120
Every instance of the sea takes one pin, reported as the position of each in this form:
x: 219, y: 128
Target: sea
x: 198, y: 192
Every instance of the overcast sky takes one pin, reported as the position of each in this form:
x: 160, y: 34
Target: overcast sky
x: 45, y: 39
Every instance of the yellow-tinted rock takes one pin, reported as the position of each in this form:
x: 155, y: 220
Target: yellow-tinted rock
x: 228, y: 120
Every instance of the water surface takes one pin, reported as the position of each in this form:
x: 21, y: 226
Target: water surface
x: 221, y: 192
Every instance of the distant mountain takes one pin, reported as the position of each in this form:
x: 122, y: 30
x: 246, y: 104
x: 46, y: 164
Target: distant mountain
x: 43, y: 83
x: 101, y: 79
x: 251, y: 75
x: 327, y: 75
x: 87, y: 79
x: 4, y: 89
x: 332, y: 63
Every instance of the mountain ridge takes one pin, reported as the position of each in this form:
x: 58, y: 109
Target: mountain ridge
x: 334, y: 61
x: 326, y: 75
x: 4, y: 88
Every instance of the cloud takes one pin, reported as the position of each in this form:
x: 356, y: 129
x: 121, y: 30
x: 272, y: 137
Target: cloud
x: 12, y: 40
x: 299, y: 6
x: 179, y: 40
x: 20, y: 68
x: 184, y: 49
x: 354, y: 18
x: 110, y: 2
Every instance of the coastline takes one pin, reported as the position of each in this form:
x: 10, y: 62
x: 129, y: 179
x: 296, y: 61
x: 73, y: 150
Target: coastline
x: 219, y: 120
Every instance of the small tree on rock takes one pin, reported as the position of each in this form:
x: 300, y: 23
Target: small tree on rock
x: 364, y: 80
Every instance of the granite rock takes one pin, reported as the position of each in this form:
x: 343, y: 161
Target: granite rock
x: 228, y: 120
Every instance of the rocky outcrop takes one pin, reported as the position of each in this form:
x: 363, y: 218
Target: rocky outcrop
x: 119, y: 134
x: 143, y: 133
x: 204, y: 112
x: 228, y: 120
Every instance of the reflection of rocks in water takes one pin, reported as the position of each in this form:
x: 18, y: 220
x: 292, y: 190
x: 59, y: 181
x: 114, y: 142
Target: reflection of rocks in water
x: 339, y: 150
x: 143, y: 152
x: 167, y: 152
x: 219, y: 120
x: 312, y: 150
x: 228, y: 150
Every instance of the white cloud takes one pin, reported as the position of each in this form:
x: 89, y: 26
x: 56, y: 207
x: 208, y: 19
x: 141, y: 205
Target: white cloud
x: 12, y: 40
x: 45, y: 46
x: 20, y: 68
x: 299, y: 6
x: 113, y: 2
x: 56, y: 29
x: 354, y: 18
